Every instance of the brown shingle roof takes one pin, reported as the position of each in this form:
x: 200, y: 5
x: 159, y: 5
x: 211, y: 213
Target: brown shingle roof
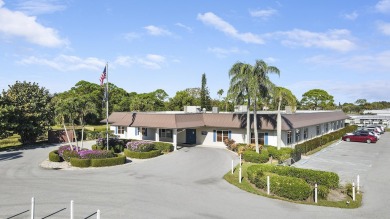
x: 221, y: 120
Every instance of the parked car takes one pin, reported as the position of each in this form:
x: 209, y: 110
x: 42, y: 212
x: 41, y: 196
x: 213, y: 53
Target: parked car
x: 380, y: 128
x: 372, y: 129
x: 360, y: 136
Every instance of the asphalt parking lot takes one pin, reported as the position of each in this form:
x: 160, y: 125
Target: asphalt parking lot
x: 184, y: 184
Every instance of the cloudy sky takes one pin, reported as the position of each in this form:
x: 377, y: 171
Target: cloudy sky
x: 342, y: 47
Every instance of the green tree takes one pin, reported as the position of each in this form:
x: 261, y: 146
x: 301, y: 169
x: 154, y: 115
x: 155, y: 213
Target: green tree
x: 204, y: 94
x: 181, y: 99
x: 317, y: 99
x: 29, y: 111
x: 61, y: 112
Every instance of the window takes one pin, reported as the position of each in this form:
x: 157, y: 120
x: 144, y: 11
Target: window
x: 297, y: 135
x: 121, y: 130
x: 326, y: 127
x: 289, y: 139
x: 166, y: 133
x: 260, y: 140
x: 318, y: 130
x: 222, y: 135
x: 144, y: 131
x: 305, y: 133
x: 341, y: 124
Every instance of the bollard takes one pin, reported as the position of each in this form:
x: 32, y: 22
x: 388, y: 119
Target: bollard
x: 358, y: 184
x: 315, y: 193
x: 268, y: 185
x: 232, y: 166
x: 71, y: 209
x: 353, y: 191
x: 240, y: 160
x: 98, y: 214
x: 32, y: 207
x: 239, y: 176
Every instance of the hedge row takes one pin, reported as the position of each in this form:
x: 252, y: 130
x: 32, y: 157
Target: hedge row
x: 253, y: 157
x: 76, y: 162
x: 142, y: 155
x: 319, y: 141
x: 54, y: 156
x: 328, y: 179
x: 281, y: 154
x: 284, y: 186
x: 163, y: 146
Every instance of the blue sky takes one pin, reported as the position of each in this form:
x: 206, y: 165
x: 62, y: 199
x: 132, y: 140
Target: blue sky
x: 342, y: 47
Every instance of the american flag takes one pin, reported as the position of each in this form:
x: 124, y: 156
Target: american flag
x: 103, y: 76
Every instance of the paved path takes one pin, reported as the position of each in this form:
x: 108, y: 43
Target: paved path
x: 184, y: 184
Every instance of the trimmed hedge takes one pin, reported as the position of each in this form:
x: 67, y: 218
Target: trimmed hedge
x: 142, y: 155
x: 113, y: 161
x: 67, y: 155
x: 252, y: 156
x: 54, y: 156
x: 328, y: 179
x: 323, y: 191
x: 77, y: 162
x: 285, y: 186
x: 280, y: 155
x: 319, y: 141
x: 163, y: 146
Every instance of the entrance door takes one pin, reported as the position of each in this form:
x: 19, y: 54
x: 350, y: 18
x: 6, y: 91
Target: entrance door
x: 191, y: 136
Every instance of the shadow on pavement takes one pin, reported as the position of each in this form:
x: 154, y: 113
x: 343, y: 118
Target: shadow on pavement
x: 10, y: 156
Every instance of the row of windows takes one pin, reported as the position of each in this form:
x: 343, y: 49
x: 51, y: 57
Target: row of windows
x: 164, y: 133
x: 334, y: 125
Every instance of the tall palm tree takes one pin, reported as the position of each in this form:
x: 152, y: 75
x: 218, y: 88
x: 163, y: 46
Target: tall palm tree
x: 61, y: 112
x: 260, y: 87
x: 239, y: 75
x: 84, y: 107
x: 279, y: 94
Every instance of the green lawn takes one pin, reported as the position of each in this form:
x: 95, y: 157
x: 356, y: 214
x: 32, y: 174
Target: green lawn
x: 247, y: 186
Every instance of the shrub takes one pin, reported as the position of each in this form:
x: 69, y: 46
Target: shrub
x: 285, y: 186
x: 70, y: 154
x: 230, y: 144
x: 323, y: 191
x: 113, y: 161
x: 63, y: 148
x: 163, y: 146
x: 140, y: 146
x: 280, y: 155
x: 77, y: 162
x: 142, y: 155
x: 328, y: 179
x: 95, y: 154
x: 252, y: 156
x: 254, y: 171
x: 54, y: 156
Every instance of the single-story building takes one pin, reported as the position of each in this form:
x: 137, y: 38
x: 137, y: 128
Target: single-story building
x: 212, y: 128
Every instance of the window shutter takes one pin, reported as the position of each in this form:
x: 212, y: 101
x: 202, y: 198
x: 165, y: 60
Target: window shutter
x: 116, y: 129
x: 136, y: 131
x: 266, y: 138
x: 214, y: 135
x: 230, y: 134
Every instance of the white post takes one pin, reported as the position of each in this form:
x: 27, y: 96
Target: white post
x: 232, y: 166
x: 98, y: 214
x: 175, y: 139
x: 240, y: 160
x: 157, y: 134
x: 239, y: 176
x: 353, y: 191
x: 268, y: 185
x: 315, y: 193
x: 71, y: 209
x: 358, y: 184
x: 32, y: 207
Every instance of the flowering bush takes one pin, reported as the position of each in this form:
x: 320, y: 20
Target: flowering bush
x: 140, y: 146
x: 95, y: 154
x: 66, y: 148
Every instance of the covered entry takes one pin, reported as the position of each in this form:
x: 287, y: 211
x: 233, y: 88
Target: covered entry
x: 190, y: 136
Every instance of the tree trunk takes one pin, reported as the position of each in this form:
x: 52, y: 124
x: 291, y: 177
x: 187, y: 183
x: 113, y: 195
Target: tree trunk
x: 255, y: 126
x: 279, y: 125
x: 248, y: 124
x: 67, y: 136
x: 75, y: 136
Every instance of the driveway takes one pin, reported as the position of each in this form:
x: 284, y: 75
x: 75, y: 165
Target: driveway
x: 184, y: 184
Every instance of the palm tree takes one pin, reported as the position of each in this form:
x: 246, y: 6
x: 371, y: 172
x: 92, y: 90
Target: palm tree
x: 260, y: 87
x: 279, y: 94
x: 61, y: 112
x: 220, y: 93
x: 84, y: 107
x: 240, y: 74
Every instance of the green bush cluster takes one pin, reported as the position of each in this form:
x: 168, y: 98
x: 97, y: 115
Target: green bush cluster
x: 281, y: 154
x: 163, y: 146
x: 284, y: 186
x: 67, y: 155
x: 54, y: 156
x: 115, y: 149
x: 118, y: 160
x: 253, y: 157
x: 142, y: 155
x: 324, y: 178
x: 319, y: 141
x: 323, y: 191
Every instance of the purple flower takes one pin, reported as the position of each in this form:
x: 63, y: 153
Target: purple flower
x: 140, y: 146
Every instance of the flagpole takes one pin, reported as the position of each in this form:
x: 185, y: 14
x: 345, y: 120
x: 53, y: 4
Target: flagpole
x: 107, y: 104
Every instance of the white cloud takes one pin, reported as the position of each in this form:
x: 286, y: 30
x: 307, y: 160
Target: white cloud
x: 124, y: 61
x: 14, y: 23
x: 211, y: 19
x: 352, y: 16
x: 383, y: 6
x: 189, y: 29
x: 66, y: 63
x: 270, y: 60
x: 264, y: 14
x: 35, y: 7
x: 339, y: 39
x: 384, y: 28
x: 150, y: 61
x: 155, y: 58
x: 132, y: 36
x: 222, y: 53
x: 157, y: 31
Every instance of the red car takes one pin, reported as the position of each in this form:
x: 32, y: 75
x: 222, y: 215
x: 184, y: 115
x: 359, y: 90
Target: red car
x: 361, y: 136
